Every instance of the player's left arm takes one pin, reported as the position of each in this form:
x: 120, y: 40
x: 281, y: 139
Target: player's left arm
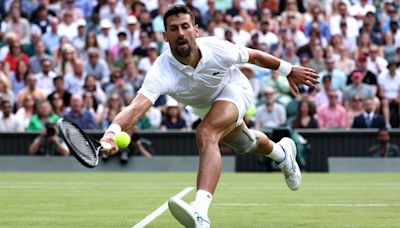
x: 295, y: 74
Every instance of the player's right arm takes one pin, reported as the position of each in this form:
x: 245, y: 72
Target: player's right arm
x: 126, y: 119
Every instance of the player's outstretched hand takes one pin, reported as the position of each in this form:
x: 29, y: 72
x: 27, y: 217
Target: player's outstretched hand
x: 302, y: 75
x: 109, y: 138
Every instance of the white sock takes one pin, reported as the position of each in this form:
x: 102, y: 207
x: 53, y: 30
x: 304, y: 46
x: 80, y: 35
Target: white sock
x: 203, y: 201
x: 277, y: 153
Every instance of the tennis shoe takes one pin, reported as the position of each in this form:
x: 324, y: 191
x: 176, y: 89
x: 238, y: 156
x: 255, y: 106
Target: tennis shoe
x: 289, y: 166
x: 187, y: 214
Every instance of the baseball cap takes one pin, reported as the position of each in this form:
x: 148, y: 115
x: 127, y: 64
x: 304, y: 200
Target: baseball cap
x: 81, y: 22
x: 237, y: 19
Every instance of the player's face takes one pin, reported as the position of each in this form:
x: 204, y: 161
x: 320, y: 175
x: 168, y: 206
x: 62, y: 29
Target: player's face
x: 181, y: 34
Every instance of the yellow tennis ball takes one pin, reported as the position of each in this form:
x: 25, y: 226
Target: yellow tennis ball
x: 122, y: 140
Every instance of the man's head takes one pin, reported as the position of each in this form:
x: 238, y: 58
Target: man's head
x: 180, y: 30
x: 333, y: 97
x: 94, y: 55
x: 383, y: 136
x: 59, y: 83
x: 327, y: 82
x: 45, y: 65
x: 357, y: 77
x: 369, y: 105
x: 330, y: 64
x: 269, y: 95
x: 6, y: 108
x: 76, y: 103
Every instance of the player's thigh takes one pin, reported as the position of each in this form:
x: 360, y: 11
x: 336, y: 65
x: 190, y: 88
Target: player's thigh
x: 219, y: 121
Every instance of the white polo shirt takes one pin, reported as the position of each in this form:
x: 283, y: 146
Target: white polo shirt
x: 201, y: 86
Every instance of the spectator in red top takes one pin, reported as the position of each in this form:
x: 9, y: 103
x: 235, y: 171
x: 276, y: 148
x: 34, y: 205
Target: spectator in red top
x: 15, y: 55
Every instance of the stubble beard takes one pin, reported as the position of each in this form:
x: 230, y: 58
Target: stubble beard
x: 183, y: 53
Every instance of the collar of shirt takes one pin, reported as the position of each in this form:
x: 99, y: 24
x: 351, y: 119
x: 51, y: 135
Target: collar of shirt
x: 205, y: 57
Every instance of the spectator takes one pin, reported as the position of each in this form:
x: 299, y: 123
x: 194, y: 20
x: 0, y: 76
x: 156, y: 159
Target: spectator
x: 363, y: 45
x: 384, y: 148
x: 356, y: 87
x: 68, y: 27
x: 133, y: 77
x: 318, y: 59
x: 115, y: 50
x: 133, y: 32
x: 67, y: 60
x: 172, y: 116
x: 90, y: 44
x: 113, y: 104
x: 368, y: 77
x: 79, y: 40
x: 44, y: 79
x: 92, y: 86
x: 59, y: 88
x: 333, y: 115
x: 356, y: 108
x: 375, y: 63
x: 369, y: 118
x: 5, y: 89
x: 105, y: 38
x: 305, y: 115
x: 30, y: 89
x: 8, y: 121
x: 9, y: 39
x: 26, y: 111
x: 266, y: 36
x: 75, y: 80
x: 15, y: 55
x: 41, y: 18
x: 389, y: 91
x: 57, y: 103
x: 141, y: 51
x: 48, y: 143
x: 240, y: 36
x: 35, y: 61
x: 389, y: 48
x: 271, y: 114
x: 321, y: 97
x: 318, y: 21
x: 280, y: 85
x: 18, y: 24
x: 118, y: 85
x: 360, y: 9
x: 51, y: 38
x: 146, y: 62
x: 97, y: 66
x: 83, y: 118
x: 125, y: 55
x: 343, y: 18
x: 345, y: 63
x: 93, y: 106
x: 44, y: 115
x: 294, y: 30
x: 338, y: 77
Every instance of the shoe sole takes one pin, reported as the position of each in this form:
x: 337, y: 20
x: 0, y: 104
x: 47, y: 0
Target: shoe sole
x: 178, y: 211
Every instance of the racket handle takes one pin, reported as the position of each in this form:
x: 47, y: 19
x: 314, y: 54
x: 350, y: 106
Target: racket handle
x: 105, y: 146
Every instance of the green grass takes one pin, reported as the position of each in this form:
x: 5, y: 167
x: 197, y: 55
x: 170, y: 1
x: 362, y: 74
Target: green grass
x: 241, y: 200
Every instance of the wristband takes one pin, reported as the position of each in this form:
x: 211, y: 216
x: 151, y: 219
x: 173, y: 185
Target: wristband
x: 114, y: 128
x: 284, y: 68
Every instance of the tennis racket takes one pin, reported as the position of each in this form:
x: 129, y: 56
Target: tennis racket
x: 85, y: 149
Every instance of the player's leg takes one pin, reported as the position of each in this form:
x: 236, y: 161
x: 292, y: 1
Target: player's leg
x: 245, y: 140
x: 219, y: 121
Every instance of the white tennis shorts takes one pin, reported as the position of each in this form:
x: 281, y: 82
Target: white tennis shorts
x: 239, y: 92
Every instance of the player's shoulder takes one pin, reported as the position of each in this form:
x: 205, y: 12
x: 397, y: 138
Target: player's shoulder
x: 213, y: 42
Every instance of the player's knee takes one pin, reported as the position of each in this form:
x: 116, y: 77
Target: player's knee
x: 205, y: 135
x: 246, y: 142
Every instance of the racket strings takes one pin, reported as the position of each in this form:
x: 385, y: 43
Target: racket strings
x: 81, y: 145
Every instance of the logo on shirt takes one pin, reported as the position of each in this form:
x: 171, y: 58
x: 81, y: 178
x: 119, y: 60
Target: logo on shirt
x: 215, y: 73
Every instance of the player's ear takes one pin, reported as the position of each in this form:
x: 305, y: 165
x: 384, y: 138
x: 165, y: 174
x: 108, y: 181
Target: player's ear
x: 196, y: 30
x: 165, y: 36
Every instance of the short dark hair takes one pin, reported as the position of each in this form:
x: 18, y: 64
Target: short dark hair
x: 175, y: 10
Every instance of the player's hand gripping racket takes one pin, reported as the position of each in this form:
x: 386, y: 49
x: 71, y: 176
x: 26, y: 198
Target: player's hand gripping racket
x: 85, y: 149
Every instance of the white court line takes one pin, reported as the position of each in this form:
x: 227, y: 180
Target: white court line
x: 148, y: 219
x: 307, y: 204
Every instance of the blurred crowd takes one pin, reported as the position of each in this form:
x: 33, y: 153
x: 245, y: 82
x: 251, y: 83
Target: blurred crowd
x: 85, y: 60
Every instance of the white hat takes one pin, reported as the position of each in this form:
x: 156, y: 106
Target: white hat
x: 81, y: 22
x: 171, y: 102
x: 124, y: 44
x: 153, y: 45
x: 237, y: 18
x: 105, y: 23
x: 131, y: 20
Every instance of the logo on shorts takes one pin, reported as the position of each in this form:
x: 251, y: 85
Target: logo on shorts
x: 215, y: 73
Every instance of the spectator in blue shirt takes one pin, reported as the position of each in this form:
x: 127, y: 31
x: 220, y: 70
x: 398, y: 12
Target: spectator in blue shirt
x: 83, y: 118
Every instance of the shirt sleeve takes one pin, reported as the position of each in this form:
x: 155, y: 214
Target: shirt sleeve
x: 238, y: 52
x: 155, y: 84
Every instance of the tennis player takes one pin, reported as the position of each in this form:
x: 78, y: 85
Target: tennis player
x: 202, y: 73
